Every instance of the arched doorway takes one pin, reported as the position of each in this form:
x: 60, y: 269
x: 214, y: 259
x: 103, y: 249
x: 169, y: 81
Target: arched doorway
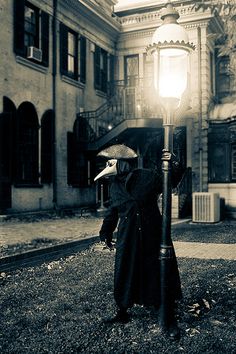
x: 26, y: 164
x: 6, y: 153
x: 47, y: 140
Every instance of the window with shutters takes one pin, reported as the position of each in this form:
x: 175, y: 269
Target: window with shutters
x: 31, y: 26
x: 72, y: 50
x: 31, y: 29
x: 100, y: 69
x: 73, y: 54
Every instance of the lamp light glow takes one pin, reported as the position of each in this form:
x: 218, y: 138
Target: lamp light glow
x: 173, y: 72
x: 170, y: 47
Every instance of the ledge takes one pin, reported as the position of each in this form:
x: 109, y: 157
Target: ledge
x: 73, y: 82
x: 101, y: 94
x: 31, y: 65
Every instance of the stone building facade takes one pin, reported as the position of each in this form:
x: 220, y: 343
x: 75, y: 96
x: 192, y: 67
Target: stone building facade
x: 76, y: 77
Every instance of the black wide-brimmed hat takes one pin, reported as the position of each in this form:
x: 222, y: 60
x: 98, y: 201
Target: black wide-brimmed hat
x: 119, y: 152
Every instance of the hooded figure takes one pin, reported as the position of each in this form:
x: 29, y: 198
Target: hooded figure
x: 134, y: 194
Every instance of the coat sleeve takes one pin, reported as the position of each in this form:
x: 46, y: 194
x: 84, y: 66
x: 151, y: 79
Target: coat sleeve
x: 109, y: 225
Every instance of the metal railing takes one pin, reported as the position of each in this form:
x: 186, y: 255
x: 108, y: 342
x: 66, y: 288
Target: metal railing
x: 131, y: 99
x: 105, y: 117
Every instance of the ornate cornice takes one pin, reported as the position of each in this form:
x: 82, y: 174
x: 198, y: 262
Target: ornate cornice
x: 87, y: 9
x: 140, y: 18
x: 188, y: 18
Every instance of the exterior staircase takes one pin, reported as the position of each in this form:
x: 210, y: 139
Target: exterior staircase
x: 126, y: 108
x: 124, y: 112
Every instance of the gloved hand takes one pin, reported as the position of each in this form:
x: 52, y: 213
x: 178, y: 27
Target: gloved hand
x: 166, y: 155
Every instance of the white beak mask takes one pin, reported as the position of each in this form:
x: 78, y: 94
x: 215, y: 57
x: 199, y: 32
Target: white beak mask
x: 109, y: 170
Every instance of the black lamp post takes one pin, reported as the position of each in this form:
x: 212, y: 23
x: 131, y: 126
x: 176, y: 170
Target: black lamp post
x: 170, y: 47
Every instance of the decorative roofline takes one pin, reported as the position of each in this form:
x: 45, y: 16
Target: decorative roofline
x: 148, y: 32
x: 155, y: 16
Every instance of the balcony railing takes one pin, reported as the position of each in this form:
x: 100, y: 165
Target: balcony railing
x: 132, y: 99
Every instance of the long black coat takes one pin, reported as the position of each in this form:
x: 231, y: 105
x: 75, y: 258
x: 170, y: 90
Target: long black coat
x: 136, y: 277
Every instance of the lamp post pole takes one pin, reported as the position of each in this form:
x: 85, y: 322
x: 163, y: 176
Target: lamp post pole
x: 166, y: 248
x: 170, y: 47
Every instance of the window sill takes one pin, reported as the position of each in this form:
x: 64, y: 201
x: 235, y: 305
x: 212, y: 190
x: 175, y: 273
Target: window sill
x: 27, y: 185
x: 31, y: 64
x: 73, y: 82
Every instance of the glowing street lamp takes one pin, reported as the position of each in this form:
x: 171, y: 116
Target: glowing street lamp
x: 170, y: 47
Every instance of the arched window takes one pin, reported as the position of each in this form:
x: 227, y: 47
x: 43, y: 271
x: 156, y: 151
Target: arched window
x: 47, y: 133
x: 27, y: 145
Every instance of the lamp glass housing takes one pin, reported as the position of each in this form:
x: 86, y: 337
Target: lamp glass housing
x: 172, y: 71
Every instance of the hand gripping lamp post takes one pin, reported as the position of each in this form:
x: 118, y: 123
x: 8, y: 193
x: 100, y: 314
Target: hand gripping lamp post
x: 170, y: 47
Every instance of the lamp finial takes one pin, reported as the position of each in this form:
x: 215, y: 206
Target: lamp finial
x: 169, y: 14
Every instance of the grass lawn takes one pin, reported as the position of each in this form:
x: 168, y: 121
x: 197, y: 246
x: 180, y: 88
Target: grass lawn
x: 62, y: 307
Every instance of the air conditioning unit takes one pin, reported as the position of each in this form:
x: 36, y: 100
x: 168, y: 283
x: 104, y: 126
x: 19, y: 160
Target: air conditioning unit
x: 206, y: 207
x: 34, y: 53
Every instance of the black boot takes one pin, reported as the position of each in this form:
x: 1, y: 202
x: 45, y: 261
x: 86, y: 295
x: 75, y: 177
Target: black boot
x: 168, y: 323
x: 173, y: 330
x: 121, y: 316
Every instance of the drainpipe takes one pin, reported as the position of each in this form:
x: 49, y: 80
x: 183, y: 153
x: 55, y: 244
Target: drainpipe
x: 54, y: 103
x: 200, y: 107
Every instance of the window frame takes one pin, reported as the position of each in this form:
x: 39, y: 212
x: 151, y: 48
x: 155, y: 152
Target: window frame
x: 34, y: 35
x: 78, y: 55
x: 101, y: 69
x: 131, y: 80
x: 72, y: 54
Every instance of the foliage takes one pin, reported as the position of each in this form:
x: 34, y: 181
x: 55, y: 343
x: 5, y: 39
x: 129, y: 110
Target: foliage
x: 227, y: 11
